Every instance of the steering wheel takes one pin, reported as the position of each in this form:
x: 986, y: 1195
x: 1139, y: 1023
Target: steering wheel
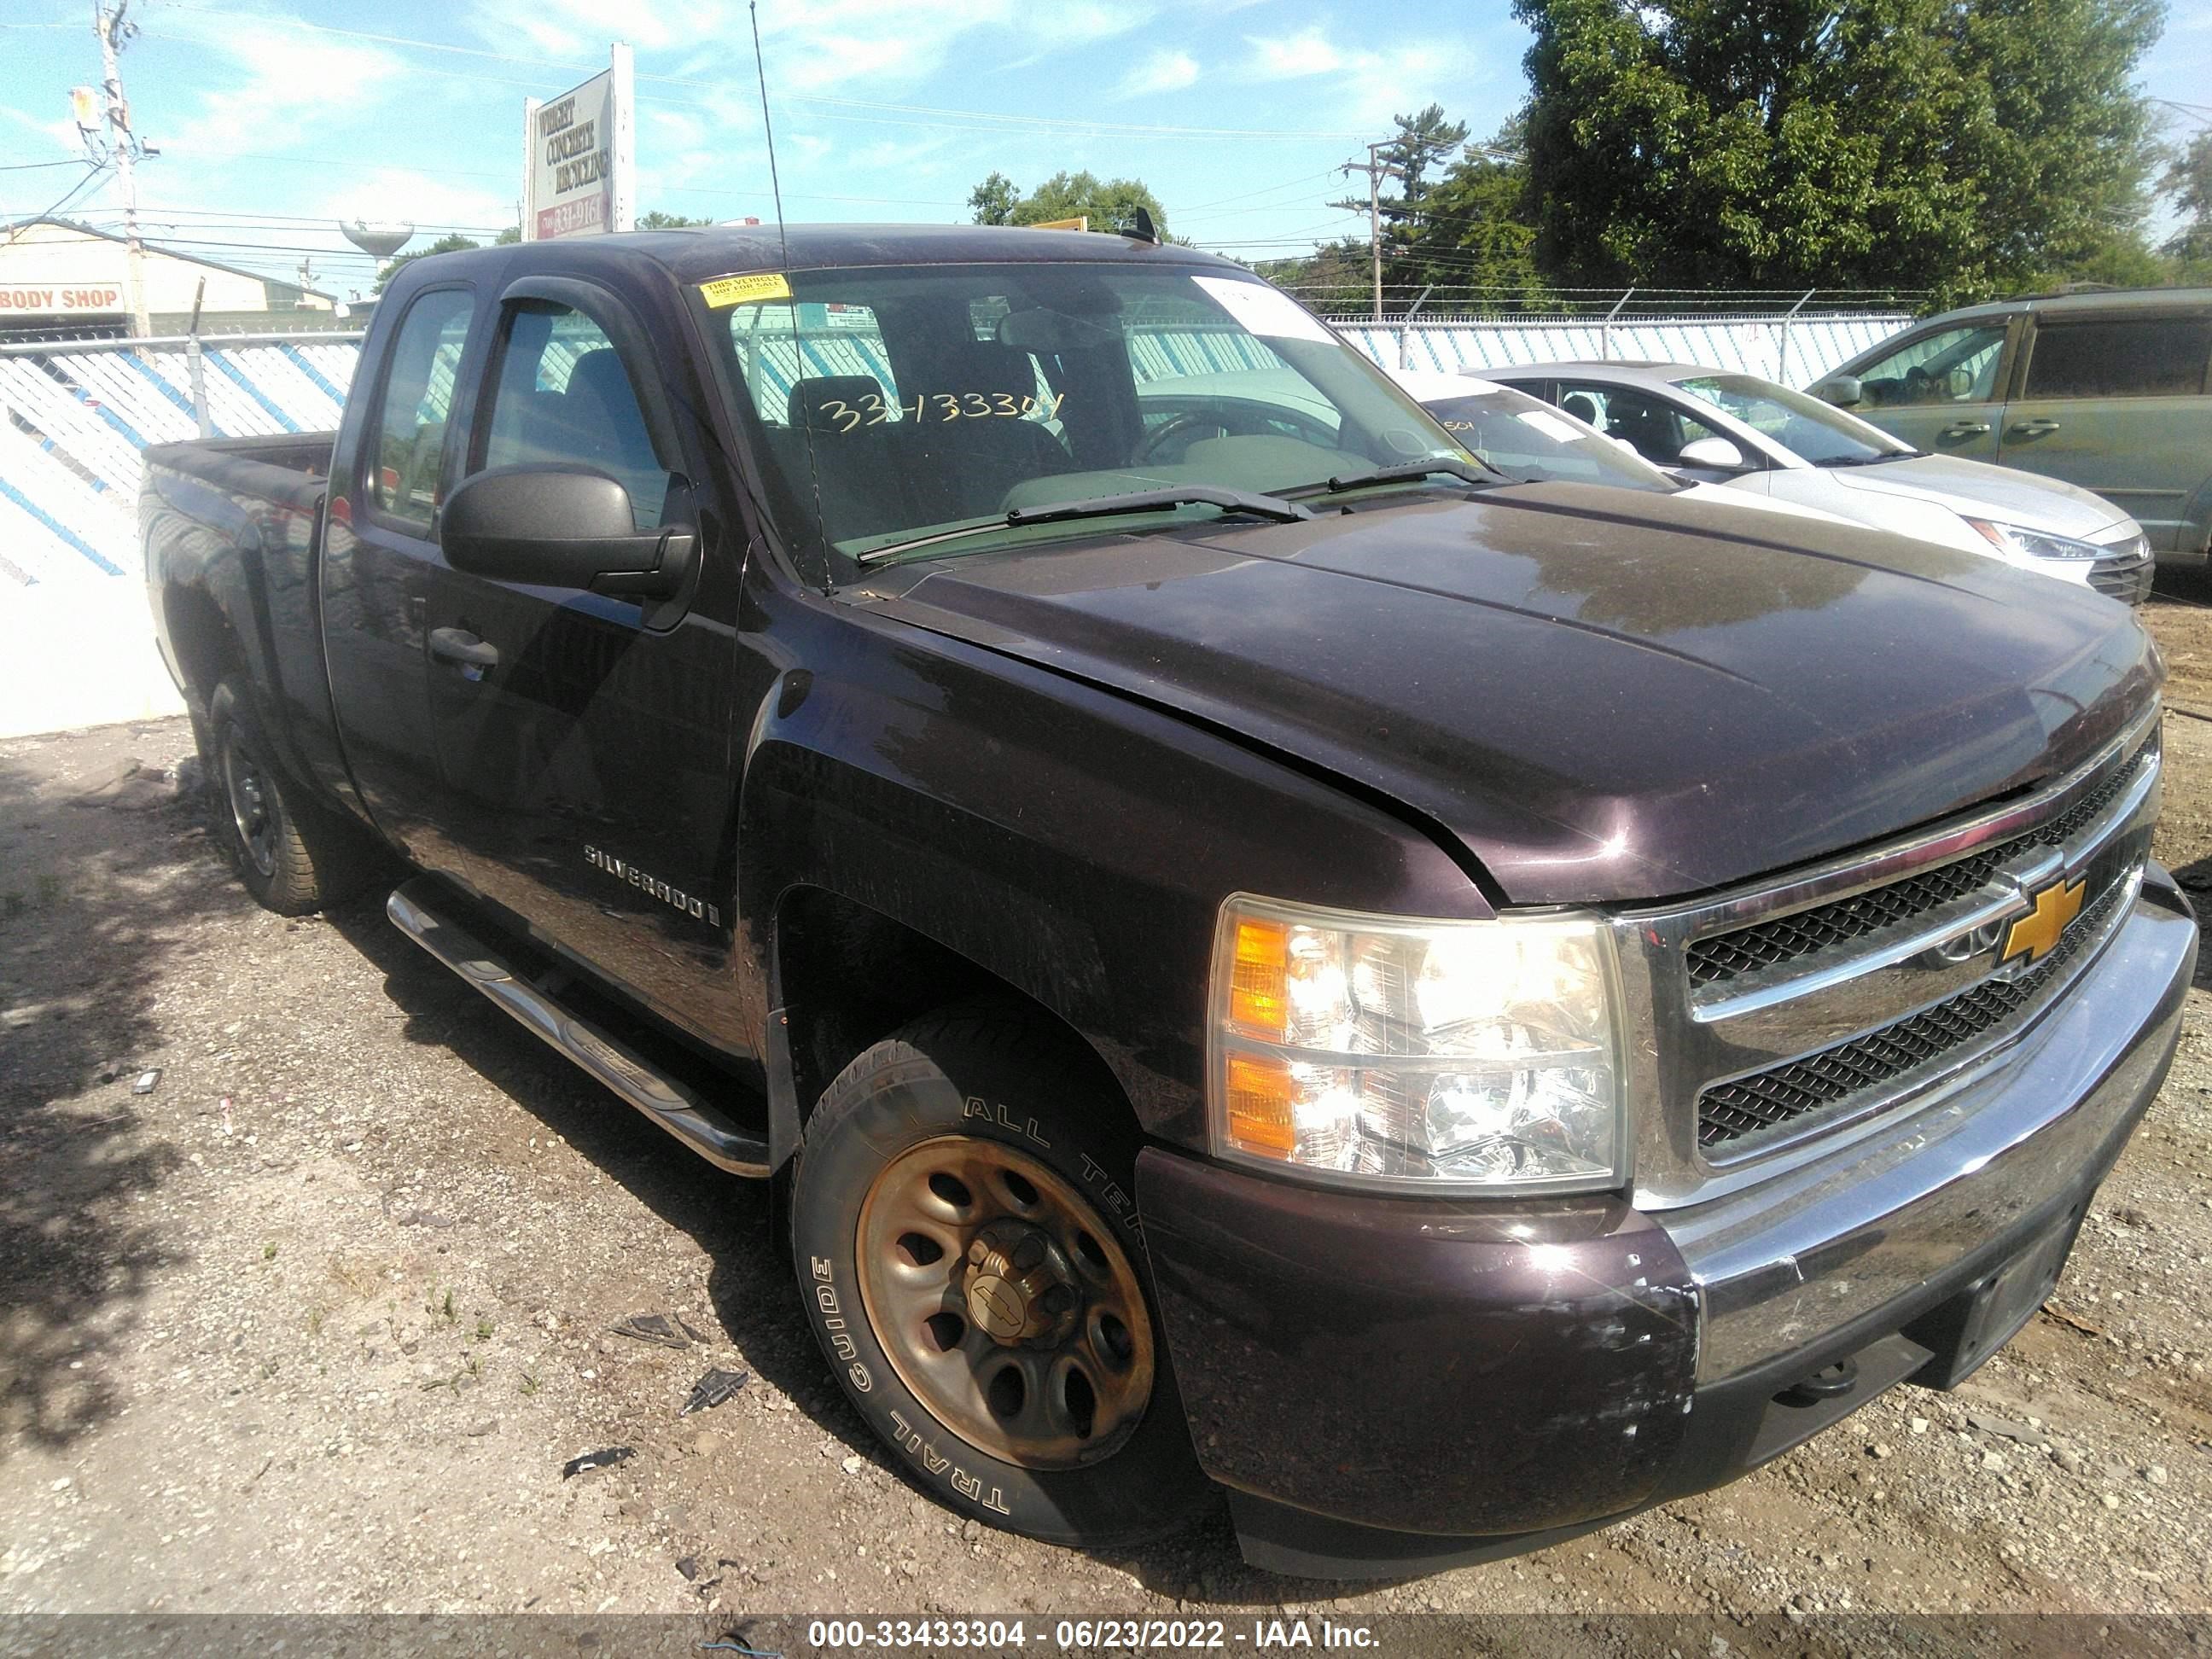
x: 1156, y: 439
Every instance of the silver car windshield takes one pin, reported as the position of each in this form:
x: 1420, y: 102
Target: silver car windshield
x: 1806, y: 427
x: 891, y: 405
x: 1531, y: 442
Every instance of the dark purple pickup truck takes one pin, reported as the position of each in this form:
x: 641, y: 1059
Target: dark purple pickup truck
x: 1257, y: 949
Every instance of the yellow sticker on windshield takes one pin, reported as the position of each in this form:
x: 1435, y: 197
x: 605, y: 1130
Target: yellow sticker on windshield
x: 746, y: 290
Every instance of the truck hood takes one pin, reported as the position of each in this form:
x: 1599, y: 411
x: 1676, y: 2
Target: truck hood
x: 2004, y: 494
x: 1603, y: 696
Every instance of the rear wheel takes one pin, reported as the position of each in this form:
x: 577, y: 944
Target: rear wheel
x: 293, y: 856
x: 966, y: 1240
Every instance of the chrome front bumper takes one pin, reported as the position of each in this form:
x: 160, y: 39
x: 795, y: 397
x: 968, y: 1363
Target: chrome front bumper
x: 1783, y: 1264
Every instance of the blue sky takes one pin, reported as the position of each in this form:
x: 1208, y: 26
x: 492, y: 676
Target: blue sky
x: 276, y: 120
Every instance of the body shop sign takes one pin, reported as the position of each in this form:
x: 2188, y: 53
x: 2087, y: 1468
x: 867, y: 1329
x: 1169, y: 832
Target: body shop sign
x: 61, y: 297
x: 579, y: 164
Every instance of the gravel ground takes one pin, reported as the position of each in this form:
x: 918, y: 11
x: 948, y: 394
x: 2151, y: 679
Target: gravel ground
x: 315, y: 1324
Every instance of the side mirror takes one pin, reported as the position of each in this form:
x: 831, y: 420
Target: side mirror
x: 561, y: 526
x: 1843, y: 390
x: 1715, y: 455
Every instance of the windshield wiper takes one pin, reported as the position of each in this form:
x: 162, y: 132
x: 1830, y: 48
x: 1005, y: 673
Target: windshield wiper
x: 1162, y: 501
x: 1474, y: 472
x: 1106, y: 507
x: 1869, y: 460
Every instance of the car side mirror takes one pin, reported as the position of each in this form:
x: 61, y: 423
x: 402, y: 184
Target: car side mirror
x: 561, y: 526
x: 1715, y: 455
x: 1843, y: 390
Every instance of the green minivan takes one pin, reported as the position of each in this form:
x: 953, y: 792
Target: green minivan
x: 2106, y: 390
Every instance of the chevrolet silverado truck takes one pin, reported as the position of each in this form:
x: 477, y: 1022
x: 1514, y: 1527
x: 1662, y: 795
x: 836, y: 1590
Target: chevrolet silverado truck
x: 1254, y: 951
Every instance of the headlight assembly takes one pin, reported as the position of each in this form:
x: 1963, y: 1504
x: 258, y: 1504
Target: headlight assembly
x: 2016, y: 542
x: 1437, y: 1056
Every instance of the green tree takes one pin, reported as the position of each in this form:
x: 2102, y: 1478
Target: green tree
x: 2188, y: 181
x: 1473, y: 234
x: 657, y: 220
x: 1110, y: 205
x: 995, y: 200
x: 1961, y: 146
x: 453, y: 242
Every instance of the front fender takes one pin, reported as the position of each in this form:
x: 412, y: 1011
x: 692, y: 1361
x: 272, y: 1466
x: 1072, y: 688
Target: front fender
x: 1068, y: 842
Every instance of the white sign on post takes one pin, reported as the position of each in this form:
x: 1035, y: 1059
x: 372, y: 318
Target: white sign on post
x: 580, y: 166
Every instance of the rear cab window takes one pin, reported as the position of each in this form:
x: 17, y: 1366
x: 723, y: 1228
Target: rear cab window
x: 402, y: 481
x: 2119, y: 357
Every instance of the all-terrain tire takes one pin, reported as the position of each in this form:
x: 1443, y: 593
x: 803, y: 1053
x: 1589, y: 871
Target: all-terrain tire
x: 1020, y: 1106
x: 292, y: 854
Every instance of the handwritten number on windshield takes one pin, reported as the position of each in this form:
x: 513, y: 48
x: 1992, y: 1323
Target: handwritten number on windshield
x: 939, y: 406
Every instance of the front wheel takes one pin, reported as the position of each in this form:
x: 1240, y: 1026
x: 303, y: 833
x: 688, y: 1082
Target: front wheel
x: 966, y: 1240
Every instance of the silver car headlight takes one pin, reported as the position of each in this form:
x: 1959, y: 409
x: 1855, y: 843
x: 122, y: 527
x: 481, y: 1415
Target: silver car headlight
x: 1446, y: 1057
x: 2016, y: 542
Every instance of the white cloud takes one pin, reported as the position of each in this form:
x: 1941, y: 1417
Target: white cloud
x: 1307, y: 52
x: 1163, y: 71
x: 1367, y: 87
x: 283, y: 79
x: 584, y: 29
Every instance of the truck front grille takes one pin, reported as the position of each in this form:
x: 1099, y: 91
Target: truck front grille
x: 1783, y: 1013
x: 1727, y: 1111
x: 1770, y: 944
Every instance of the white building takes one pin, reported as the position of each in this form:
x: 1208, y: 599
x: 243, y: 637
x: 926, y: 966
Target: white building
x: 65, y: 280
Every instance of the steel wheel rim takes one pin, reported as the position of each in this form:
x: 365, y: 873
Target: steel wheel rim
x: 1064, y: 1380
x: 249, y: 806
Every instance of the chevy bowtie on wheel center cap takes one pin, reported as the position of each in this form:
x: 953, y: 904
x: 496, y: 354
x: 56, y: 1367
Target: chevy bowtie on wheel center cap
x: 1017, y: 1288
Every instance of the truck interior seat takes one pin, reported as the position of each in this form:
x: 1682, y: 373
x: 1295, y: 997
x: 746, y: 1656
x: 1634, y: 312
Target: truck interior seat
x: 852, y: 467
x: 964, y: 466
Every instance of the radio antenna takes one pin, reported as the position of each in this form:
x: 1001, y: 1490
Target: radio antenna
x: 783, y: 241
x: 768, y: 127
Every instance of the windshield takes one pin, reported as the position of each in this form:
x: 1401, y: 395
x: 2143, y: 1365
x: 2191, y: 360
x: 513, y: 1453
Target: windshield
x: 1531, y: 442
x: 891, y: 404
x: 1806, y: 427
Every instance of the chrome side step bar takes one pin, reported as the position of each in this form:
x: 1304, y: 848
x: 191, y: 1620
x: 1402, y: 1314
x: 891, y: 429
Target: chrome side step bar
x: 676, y: 1108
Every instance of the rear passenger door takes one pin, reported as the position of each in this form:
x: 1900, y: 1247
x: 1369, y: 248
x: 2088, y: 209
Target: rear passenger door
x: 2117, y: 404
x: 582, y: 739
x: 380, y: 554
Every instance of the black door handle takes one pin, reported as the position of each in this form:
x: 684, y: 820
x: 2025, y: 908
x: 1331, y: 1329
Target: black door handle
x: 457, y: 645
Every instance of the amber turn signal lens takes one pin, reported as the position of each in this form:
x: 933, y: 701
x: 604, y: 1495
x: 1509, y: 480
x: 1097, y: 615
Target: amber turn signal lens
x: 1259, y: 983
x: 1259, y: 1100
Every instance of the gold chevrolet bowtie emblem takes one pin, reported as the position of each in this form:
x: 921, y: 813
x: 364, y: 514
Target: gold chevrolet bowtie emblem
x: 2035, y: 935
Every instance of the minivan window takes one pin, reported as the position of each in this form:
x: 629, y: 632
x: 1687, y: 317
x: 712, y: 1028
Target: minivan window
x: 418, y: 391
x: 892, y: 404
x: 563, y: 397
x: 1951, y: 366
x: 2132, y: 357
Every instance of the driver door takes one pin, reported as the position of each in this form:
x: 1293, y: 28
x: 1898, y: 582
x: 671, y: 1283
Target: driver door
x: 1943, y: 391
x: 583, y: 739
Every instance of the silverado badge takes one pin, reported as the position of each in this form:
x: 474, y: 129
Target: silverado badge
x: 2036, y: 934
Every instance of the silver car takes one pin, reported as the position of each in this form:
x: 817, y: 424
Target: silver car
x: 1753, y: 434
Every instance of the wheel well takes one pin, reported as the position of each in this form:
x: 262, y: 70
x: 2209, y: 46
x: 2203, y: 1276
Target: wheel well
x: 206, y: 649
x: 850, y: 975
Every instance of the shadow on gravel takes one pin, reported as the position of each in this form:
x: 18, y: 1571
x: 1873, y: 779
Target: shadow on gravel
x: 93, y: 902
x: 2196, y: 879
x: 749, y: 1282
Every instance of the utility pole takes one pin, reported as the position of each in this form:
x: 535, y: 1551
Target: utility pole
x: 1376, y: 170
x: 122, y: 149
